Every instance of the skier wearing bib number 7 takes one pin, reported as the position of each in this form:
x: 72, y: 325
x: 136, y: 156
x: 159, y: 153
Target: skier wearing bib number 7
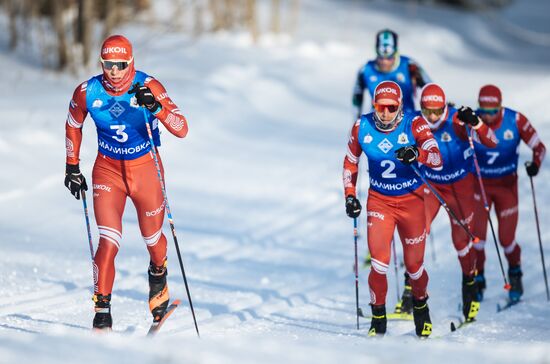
x: 124, y: 166
x: 455, y: 181
x: 498, y: 169
x: 392, y: 140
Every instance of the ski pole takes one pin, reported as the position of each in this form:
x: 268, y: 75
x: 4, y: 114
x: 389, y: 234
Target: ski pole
x: 540, y: 241
x: 507, y: 285
x: 87, y: 216
x: 356, y: 269
x: 168, y: 211
x: 432, y: 246
x: 474, y: 239
x: 395, y: 269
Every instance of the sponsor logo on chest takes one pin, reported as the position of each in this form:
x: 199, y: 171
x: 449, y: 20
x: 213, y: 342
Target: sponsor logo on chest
x: 508, y: 134
x: 97, y: 103
x: 367, y: 139
x: 400, y: 77
x: 385, y: 145
x: 446, y: 137
x: 403, y: 139
x: 117, y: 109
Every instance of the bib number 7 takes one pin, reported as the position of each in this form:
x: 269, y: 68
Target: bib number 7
x: 492, y: 157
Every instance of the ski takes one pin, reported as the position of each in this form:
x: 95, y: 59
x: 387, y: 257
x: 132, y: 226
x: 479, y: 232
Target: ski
x: 507, y: 305
x: 461, y: 324
x: 156, y: 325
x: 394, y: 316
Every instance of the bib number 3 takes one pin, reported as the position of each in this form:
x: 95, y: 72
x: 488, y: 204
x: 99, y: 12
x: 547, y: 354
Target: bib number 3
x: 120, y: 136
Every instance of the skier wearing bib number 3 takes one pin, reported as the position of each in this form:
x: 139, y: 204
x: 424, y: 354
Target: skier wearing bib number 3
x: 124, y: 166
x: 500, y: 180
x: 455, y: 181
x: 392, y: 140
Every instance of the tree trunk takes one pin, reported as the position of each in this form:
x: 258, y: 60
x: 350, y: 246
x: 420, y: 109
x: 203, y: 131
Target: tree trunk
x: 57, y: 19
x: 251, y: 19
x: 112, y: 16
x: 12, y: 14
x: 275, y: 16
x: 84, y: 29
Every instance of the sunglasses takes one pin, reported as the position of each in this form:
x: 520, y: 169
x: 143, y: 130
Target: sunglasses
x: 381, y: 108
x: 120, y: 65
x: 490, y: 112
x: 436, y: 112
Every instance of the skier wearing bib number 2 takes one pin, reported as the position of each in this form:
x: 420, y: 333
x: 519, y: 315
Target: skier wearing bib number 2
x: 500, y: 180
x: 392, y: 140
x: 124, y: 166
x: 455, y: 181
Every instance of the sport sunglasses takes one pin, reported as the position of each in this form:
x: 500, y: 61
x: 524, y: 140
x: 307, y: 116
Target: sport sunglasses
x: 391, y: 108
x: 120, y: 65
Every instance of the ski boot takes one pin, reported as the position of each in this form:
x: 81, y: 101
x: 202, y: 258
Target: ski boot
x: 103, y: 320
x: 378, y: 322
x: 516, y: 289
x: 422, y: 321
x: 158, y: 290
x: 406, y: 303
x: 470, y: 304
x: 481, y: 285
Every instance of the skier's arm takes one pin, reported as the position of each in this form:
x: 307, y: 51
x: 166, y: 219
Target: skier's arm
x: 73, y: 125
x: 351, y: 162
x: 428, y: 150
x: 169, y: 114
x: 419, y: 77
x: 529, y: 135
x: 358, y: 92
x: 486, y: 135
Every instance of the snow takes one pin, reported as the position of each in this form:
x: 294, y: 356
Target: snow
x: 255, y: 190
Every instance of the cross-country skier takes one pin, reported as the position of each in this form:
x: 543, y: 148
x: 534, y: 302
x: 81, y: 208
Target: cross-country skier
x: 455, y: 181
x: 124, y: 166
x: 500, y: 180
x: 392, y: 140
x: 389, y: 65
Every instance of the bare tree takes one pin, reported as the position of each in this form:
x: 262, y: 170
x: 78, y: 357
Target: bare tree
x: 12, y: 14
x: 275, y: 16
x: 57, y: 20
x: 251, y: 19
x: 84, y: 28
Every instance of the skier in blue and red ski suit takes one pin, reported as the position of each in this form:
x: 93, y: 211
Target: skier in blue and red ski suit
x: 124, y: 166
x: 392, y: 140
x: 498, y: 169
x: 389, y: 65
x: 455, y: 181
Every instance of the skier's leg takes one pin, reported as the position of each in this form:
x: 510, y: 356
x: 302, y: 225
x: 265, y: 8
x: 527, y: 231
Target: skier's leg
x: 147, y: 197
x: 109, y: 199
x: 506, y: 207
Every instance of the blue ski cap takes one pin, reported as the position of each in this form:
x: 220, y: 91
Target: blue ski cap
x: 386, y: 43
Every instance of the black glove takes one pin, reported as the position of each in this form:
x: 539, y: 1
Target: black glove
x: 74, y: 180
x: 407, y: 155
x: 353, y: 207
x: 145, y: 97
x: 467, y: 116
x: 531, y: 168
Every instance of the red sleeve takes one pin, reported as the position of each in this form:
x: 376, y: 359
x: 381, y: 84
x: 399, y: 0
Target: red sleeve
x: 529, y: 135
x: 73, y: 125
x: 169, y: 114
x: 486, y: 135
x: 351, y: 161
x: 428, y: 150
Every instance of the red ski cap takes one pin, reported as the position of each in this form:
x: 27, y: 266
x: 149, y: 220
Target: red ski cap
x: 116, y: 47
x: 432, y: 97
x: 387, y: 93
x: 490, y: 97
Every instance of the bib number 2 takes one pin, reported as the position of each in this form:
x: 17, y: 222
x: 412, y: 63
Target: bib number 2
x: 390, y: 166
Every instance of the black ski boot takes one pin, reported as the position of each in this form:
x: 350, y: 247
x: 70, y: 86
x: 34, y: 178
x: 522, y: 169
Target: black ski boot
x: 406, y: 303
x: 158, y: 290
x: 378, y: 321
x: 422, y: 321
x: 102, y: 318
x: 470, y: 304
x: 516, y: 289
x: 481, y: 285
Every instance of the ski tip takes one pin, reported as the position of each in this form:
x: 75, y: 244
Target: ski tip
x: 453, y: 327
